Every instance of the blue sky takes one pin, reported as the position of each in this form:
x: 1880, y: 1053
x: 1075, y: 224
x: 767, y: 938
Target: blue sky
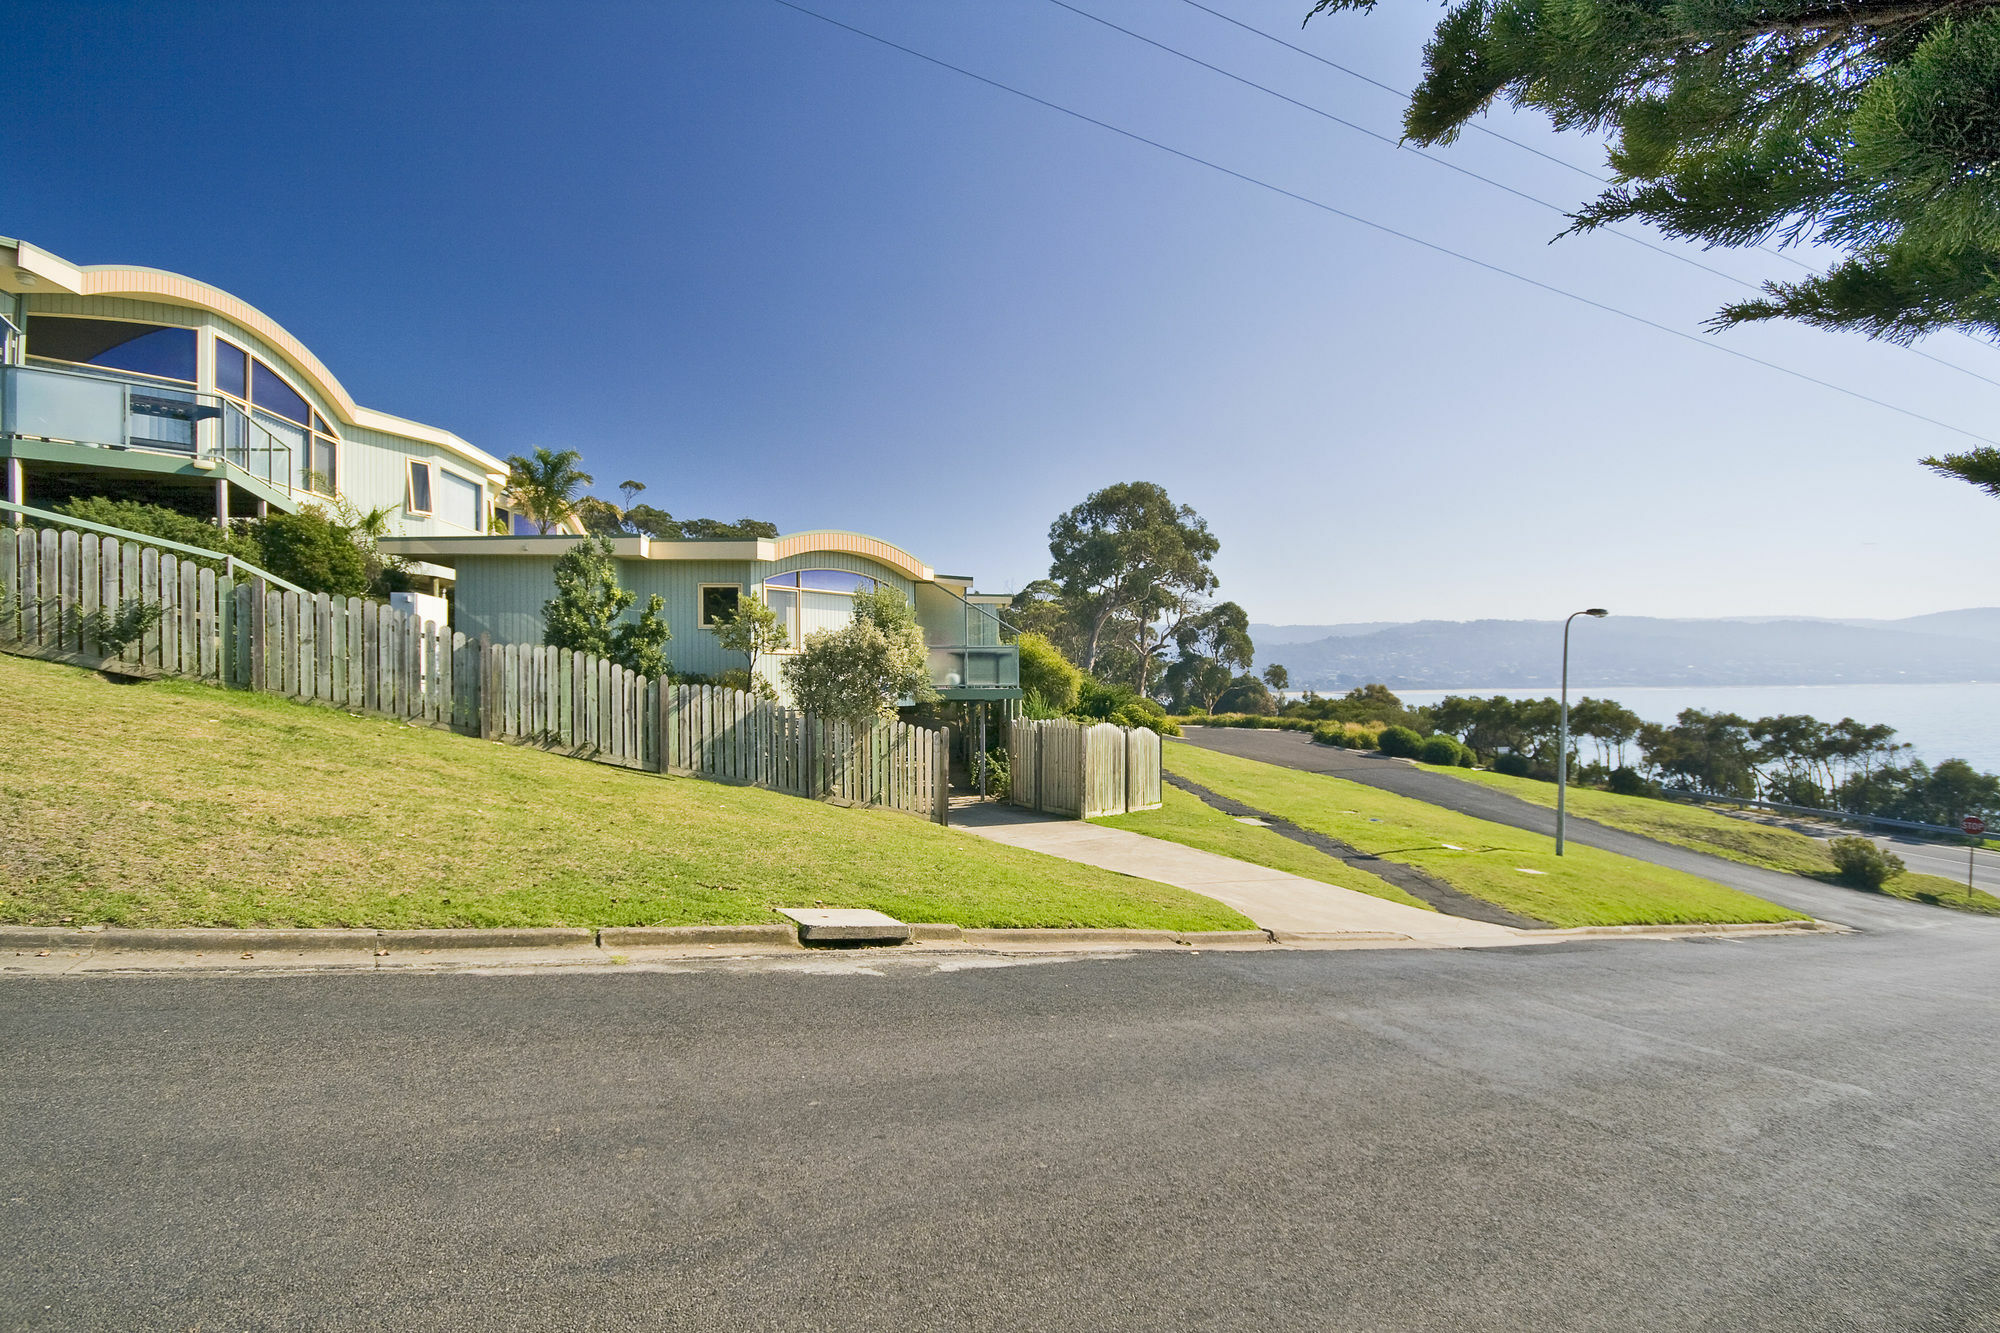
x: 773, y: 269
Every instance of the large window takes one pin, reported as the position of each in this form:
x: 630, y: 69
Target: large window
x: 458, y: 500
x: 810, y: 600
x: 232, y: 369
x: 284, y: 416
x: 156, y: 351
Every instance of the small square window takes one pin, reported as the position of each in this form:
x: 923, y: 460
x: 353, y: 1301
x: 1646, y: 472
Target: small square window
x: 419, y: 500
x: 719, y: 602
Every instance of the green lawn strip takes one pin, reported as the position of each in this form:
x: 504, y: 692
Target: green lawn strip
x: 173, y: 804
x: 1704, y: 830
x: 1185, y: 819
x: 1586, y: 887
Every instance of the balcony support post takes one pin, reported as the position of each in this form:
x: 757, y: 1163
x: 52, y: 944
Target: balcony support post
x: 17, y: 489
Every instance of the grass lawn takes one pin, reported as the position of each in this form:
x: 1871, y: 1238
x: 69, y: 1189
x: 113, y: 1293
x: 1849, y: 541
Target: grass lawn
x: 1186, y: 820
x: 1704, y: 830
x: 1586, y: 887
x: 173, y: 804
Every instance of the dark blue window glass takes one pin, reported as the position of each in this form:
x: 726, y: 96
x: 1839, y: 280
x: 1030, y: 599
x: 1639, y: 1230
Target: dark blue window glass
x: 114, y: 344
x: 232, y: 369
x: 275, y: 396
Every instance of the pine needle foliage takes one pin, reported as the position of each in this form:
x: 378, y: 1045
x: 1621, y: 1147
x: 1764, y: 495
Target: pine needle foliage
x: 587, y: 614
x: 1871, y: 126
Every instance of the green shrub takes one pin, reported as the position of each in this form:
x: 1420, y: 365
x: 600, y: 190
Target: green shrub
x: 1466, y: 757
x: 1154, y: 719
x: 1513, y: 763
x: 1347, y: 735
x: 168, y: 524
x: 1440, y: 750
x: 1046, y: 673
x: 1401, y: 742
x: 1627, y: 782
x: 309, y: 549
x: 1862, y: 864
x: 999, y: 782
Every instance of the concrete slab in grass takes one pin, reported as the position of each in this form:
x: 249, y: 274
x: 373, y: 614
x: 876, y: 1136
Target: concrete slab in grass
x: 846, y: 925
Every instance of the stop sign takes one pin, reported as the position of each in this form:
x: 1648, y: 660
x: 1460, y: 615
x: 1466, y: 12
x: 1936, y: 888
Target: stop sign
x: 1973, y: 824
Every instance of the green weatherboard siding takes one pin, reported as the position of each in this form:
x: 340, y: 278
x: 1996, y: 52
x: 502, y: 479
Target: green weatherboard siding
x: 502, y: 595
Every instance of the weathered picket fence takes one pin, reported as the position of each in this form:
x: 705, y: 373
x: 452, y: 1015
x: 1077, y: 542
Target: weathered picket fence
x: 1066, y: 768
x: 61, y: 589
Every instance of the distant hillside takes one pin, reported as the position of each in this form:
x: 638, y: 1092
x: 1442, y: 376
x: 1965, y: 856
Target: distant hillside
x: 1636, y: 650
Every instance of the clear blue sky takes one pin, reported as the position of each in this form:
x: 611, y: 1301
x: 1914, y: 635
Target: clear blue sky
x: 773, y: 269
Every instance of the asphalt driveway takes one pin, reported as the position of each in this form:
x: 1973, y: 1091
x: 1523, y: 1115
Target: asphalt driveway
x: 1828, y: 902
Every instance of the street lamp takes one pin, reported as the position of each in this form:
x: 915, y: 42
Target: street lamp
x: 1562, y: 743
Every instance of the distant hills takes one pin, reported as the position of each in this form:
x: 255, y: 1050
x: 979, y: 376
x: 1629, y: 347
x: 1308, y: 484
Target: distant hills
x: 1943, y: 647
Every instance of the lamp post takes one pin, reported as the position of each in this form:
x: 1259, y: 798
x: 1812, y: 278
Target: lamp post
x: 1562, y: 741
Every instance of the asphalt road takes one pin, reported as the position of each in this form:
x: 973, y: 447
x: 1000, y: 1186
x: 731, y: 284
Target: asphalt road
x: 1779, y: 1133
x: 1829, y: 902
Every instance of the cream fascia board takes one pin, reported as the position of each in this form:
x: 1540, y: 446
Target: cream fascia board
x: 550, y: 546
x: 49, y: 273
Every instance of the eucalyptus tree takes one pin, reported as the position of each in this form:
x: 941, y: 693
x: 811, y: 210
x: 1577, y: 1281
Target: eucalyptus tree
x: 1211, y: 647
x: 1128, y: 555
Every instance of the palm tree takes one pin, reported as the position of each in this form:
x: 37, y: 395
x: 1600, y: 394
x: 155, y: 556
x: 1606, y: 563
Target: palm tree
x: 544, y: 487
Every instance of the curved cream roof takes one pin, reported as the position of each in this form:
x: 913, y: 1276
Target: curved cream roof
x: 766, y: 550
x: 852, y: 543
x: 152, y: 284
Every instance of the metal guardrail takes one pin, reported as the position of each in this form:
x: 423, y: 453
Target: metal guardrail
x: 230, y: 564
x: 1840, y: 816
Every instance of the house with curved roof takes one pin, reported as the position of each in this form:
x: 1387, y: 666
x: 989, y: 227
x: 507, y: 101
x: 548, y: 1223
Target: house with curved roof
x: 136, y: 383
x: 808, y: 578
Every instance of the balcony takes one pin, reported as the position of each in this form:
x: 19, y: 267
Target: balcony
x: 974, y: 672
x: 102, y: 412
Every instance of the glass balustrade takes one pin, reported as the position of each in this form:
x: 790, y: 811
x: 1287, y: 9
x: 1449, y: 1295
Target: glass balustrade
x: 109, y: 412
x: 976, y: 667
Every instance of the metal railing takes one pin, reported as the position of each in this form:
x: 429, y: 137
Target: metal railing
x: 1690, y: 796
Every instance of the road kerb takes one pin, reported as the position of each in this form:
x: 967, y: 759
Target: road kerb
x: 775, y: 935
x: 542, y: 937
x: 1666, y: 929
x: 404, y: 948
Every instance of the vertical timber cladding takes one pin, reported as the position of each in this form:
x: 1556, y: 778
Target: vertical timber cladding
x: 1065, y: 768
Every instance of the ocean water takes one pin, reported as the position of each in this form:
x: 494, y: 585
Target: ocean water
x: 1941, y: 721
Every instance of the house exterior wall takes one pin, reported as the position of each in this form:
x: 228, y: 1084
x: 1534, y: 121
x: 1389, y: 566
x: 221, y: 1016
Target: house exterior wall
x: 503, y: 595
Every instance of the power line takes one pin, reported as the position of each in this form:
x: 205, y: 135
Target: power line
x: 1372, y: 225
x: 1391, y: 88
x: 1395, y: 144
x: 1399, y: 146
x: 1490, y: 133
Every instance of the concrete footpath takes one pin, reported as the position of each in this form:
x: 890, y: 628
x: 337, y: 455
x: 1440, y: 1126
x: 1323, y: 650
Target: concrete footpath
x: 1286, y: 904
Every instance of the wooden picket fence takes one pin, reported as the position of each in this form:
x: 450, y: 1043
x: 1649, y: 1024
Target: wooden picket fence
x: 59, y: 588
x: 1066, y: 768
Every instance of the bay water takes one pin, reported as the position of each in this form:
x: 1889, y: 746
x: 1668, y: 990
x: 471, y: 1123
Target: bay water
x: 1940, y: 721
